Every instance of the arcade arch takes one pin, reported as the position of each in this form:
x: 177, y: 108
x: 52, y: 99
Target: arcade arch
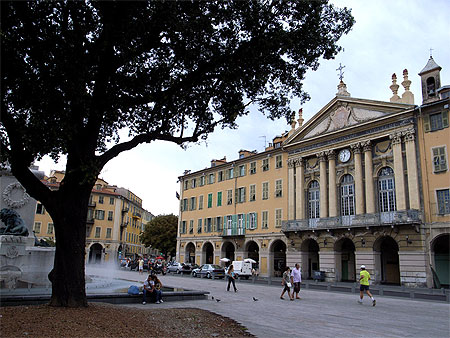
x: 386, y: 260
x: 310, y: 257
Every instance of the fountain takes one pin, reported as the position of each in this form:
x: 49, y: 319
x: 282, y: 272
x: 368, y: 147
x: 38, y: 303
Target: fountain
x: 23, y: 264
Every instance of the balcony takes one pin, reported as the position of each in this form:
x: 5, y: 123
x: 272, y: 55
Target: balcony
x: 137, y: 214
x: 125, y: 209
x: 230, y: 232
x: 90, y: 220
x: 92, y: 204
x: 124, y: 224
x: 412, y: 217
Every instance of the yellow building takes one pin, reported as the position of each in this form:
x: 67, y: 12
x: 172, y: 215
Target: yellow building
x: 434, y: 139
x: 361, y: 182
x: 113, y: 226
x: 235, y: 209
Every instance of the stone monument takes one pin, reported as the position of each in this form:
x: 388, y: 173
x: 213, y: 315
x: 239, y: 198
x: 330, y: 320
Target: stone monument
x: 22, y: 264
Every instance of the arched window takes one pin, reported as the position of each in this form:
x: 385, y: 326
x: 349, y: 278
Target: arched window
x: 386, y: 190
x: 313, y: 200
x: 431, y: 86
x: 347, y: 195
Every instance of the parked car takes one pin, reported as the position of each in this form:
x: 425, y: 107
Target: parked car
x: 209, y: 271
x: 188, y: 267
x: 175, y: 267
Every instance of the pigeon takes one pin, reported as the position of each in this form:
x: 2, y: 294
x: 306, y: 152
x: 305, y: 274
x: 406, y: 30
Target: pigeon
x: 255, y: 299
x: 212, y: 297
x: 217, y: 300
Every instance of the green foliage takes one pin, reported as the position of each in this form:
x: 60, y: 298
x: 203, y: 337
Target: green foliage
x: 161, y: 233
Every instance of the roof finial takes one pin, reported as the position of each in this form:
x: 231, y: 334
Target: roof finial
x: 341, y: 73
x: 408, y: 96
x: 300, y: 117
x: 431, y: 52
x: 394, y: 87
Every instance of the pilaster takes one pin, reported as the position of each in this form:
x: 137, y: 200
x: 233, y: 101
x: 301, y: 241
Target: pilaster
x: 411, y: 163
x: 291, y: 189
x: 332, y: 196
x: 368, y: 171
x: 300, y: 189
x: 323, y: 185
x: 359, y: 189
x: 400, y: 197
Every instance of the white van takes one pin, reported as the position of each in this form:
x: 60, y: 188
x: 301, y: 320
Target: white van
x: 242, y: 269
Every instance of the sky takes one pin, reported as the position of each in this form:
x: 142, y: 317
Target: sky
x: 387, y: 37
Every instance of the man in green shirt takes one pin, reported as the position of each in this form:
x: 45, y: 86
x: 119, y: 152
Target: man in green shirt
x: 364, y: 278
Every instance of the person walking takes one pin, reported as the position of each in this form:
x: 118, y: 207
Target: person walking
x: 287, y: 283
x: 231, y: 278
x: 364, y: 277
x: 297, y: 279
x: 141, y: 266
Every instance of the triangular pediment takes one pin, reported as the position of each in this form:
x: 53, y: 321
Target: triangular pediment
x: 344, y: 113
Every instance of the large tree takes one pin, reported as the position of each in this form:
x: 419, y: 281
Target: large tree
x: 161, y: 234
x: 74, y: 73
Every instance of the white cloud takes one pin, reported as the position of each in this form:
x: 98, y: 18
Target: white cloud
x: 388, y: 37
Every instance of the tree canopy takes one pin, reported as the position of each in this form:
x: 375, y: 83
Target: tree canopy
x: 75, y: 73
x: 161, y: 233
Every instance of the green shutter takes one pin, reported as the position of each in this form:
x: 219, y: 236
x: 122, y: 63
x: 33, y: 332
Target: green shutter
x: 236, y: 196
x: 243, y: 197
x: 234, y: 222
x: 256, y: 220
x: 445, y: 118
x: 426, y: 123
x: 214, y: 225
x: 247, y: 225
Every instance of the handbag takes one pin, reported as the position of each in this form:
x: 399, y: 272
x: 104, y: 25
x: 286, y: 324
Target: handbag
x: 288, y: 284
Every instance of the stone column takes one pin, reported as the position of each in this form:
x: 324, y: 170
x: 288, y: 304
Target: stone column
x: 359, y: 189
x: 411, y: 163
x: 327, y: 263
x: 323, y: 185
x: 400, y: 197
x: 300, y: 189
x: 291, y: 190
x: 368, y: 171
x: 332, y: 183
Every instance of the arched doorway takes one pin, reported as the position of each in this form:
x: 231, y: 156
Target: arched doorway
x: 310, y: 258
x: 252, y: 252
x: 228, y: 251
x: 279, y: 257
x: 208, y: 253
x: 387, y: 261
x: 345, y: 260
x: 190, y: 253
x: 95, y: 253
x: 440, y: 249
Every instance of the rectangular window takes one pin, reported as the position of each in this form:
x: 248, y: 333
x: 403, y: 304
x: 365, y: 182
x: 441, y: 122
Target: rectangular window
x: 436, y: 121
x: 211, y: 178
x: 186, y: 185
x: 279, y: 161
x: 439, y: 160
x: 265, y: 190
x: 191, y: 226
x: 241, y: 221
x: 265, y: 164
x: 193, y: 182
x: 185, y: 204
x: 108, y: 232
x: 240, y: 195
x: 97, y: 232
x: 220, y: 176
x: 219, y: 198
x: 183, y: 227
x: 229, y: 197
x: 242, y: 170
x: 100, y: 199
x: 110, y: 215
x: 278, y: 188
x: 111, y: 200
x: 443, y: 199
x: 193, y: 205
x: 200, y: 202
x: 230, y: 173
x: 40, y: 210
x: 278, y: 216
x: 265, y: 219
x: 219, y: 223
x: 210, y: 201
x: 100, y: 214
x: 202, y: 180
x: 208, y: 224
x: 252, y: 195
x: 199, y: 226
x: 252, y: 168
x: 252, y: 223
x: 37, y: 227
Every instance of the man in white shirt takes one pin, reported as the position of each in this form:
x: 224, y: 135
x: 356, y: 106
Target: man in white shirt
x: 297, y: 277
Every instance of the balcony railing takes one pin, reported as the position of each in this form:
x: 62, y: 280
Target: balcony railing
x: 354, y: 221
x: 90, y: 220
x: 125, y: 209
x: 124, y: 224
x: 92, y: 204
x: 137, y: 214
x: 233, y: 232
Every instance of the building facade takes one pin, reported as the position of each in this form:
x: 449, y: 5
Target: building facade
x: 363, y: 182
x: 115, y: 221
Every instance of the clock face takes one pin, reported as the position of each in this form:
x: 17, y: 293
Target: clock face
x: 344, y: 155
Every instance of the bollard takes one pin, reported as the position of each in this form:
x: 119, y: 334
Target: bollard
x: 269, y: 280
x: 381, y: 292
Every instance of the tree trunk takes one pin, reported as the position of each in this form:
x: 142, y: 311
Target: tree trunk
x: 68, y: 274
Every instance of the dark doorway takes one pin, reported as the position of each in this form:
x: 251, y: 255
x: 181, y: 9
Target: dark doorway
x: 190, y: 253
x: 279, y: 257
x: 95, y: 253
x: 208, y: 250
x: 310, y: 258
x: 442, y: 259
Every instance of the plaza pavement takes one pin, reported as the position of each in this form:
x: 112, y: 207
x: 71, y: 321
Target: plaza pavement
x: 317, y: 314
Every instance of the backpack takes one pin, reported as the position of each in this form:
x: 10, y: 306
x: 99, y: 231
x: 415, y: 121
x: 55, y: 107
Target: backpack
x: 133, y: 290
